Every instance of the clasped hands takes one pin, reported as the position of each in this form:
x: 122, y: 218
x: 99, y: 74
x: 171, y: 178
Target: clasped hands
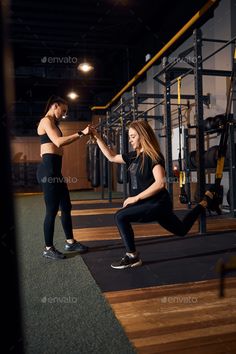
x: 90, y: 130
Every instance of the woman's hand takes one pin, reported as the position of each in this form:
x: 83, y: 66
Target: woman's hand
x: 130, y: 200
x: 92, y: 130
x: 86, y: 131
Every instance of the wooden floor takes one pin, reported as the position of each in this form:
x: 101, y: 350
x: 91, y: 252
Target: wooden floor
x: 187, y: 318
x: 141, y: 230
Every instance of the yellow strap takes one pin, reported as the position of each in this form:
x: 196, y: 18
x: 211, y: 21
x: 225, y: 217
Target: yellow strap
x: 220, y: 167
x: 181, y: 178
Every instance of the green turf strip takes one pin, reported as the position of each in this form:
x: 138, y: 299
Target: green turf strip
x: 63, y: 309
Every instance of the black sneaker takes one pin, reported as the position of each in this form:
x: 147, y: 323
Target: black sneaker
x: 127, y: 262
x: 52, y: 253
x: 76, y: 246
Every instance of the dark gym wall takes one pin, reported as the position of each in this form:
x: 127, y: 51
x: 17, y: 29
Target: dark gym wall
x: 11, y: 336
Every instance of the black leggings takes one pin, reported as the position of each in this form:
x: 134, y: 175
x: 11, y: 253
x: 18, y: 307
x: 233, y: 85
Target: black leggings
x: 158, y: 208
x: 56, y: 195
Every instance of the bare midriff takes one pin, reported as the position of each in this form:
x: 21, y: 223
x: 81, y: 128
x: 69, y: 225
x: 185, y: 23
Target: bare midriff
x: 50, y: 148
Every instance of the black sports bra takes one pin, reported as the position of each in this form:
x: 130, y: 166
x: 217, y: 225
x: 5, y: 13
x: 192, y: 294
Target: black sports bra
x: 44, y: 138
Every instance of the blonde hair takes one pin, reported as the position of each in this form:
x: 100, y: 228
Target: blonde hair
x: 148, y: 141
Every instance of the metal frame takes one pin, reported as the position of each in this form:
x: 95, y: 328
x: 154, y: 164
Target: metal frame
x: 232, y: 170
x: 187, y: 166
x: 171, y: 73
x: 198, y: 72
x: 200, y: 127
x: 205, y: 8
x: 167, y: 114
x: 119, y: 114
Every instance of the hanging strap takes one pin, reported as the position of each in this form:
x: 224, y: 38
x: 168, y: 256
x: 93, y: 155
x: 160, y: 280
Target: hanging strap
x: 183, y: 195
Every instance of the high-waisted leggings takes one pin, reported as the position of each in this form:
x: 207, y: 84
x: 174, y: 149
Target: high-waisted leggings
x: 56, y: 195
x: 158, y: 208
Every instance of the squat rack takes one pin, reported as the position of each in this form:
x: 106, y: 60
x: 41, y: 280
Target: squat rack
x: 119, y: 114
x: 171, y: 75
x: 210, y: 5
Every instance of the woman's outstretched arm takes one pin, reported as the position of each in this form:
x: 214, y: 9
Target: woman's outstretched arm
x: 109, y: 153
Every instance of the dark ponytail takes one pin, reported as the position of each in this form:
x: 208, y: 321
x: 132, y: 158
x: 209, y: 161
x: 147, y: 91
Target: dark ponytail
x: 54, y: 99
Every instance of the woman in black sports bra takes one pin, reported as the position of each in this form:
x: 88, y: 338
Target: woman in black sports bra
x: 56, y: 194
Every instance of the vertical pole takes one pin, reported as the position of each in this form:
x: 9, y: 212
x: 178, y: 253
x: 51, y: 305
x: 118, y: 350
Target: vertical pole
x: 232, y: 171
x: 109, y: 165
x: 123, y: 149
x: 199, y: 122
x: 187, y: 167
x: 232, y: 130
x: 167, y: 117
x: 101, y: 163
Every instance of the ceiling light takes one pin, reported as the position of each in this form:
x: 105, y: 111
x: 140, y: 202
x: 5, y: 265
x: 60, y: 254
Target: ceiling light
x: 72, y: 95
x: 85, y: 67
x: 147, y: 57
